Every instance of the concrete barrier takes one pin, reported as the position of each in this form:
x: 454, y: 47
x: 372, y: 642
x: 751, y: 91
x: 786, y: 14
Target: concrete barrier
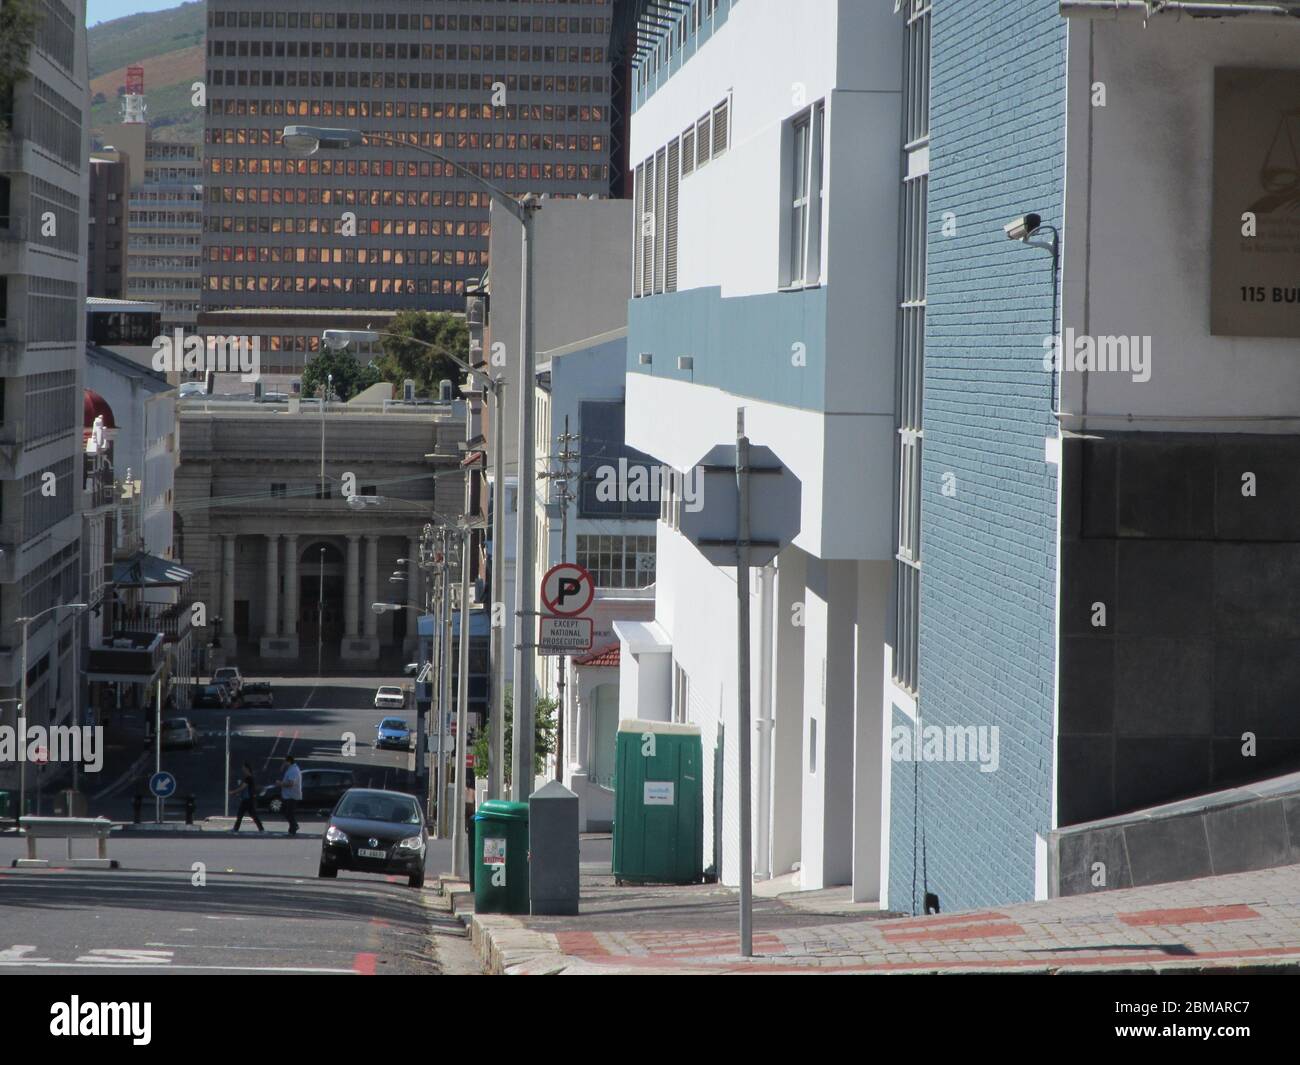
x: 68, y: 829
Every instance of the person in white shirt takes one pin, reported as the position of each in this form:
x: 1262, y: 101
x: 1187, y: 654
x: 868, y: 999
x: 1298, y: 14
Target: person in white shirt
x: 291, y: 792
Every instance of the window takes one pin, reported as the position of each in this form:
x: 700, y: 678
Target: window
x: 806, y: 198
x: 909, y: 401
x: 670, y: 219
x: 618, y: 561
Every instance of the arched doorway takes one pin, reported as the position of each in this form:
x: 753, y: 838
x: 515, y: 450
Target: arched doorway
x: 320, y: 596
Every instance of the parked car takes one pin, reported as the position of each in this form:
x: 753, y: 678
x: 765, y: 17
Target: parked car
x: 390, y: 697
x: 393, y: 732
x: 178, y: 734
x: 373, y: 831
x: 191, y: 389
x: 230, y: 677
x: 215, y: 696
x: 321, y: 789
x: 258, y: 694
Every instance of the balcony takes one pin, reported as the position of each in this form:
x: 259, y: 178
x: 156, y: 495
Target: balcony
x: 130, y: 659
x: 170, y: 620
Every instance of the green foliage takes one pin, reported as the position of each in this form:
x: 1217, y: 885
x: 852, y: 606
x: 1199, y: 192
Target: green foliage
x: 403, y: 360
x: 543, y: 735
x: 350, y: 376
x: 19, y: 20
x: 120, y: 42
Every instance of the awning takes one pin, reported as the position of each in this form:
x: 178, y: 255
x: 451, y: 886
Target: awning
x: 1144, y: 10
x: 145, y: 570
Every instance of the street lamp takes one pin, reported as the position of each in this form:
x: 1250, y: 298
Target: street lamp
x: 22, y: 698
x: 307, y: 140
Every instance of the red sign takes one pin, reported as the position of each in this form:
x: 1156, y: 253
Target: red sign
x: 40, y: 755
x: 567, y: 590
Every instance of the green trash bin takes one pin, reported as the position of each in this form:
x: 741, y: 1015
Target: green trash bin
x: 501, y: 857
x: 658, y: 803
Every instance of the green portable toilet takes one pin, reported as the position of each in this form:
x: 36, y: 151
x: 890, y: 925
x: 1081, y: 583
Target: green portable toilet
x: 658, y: 803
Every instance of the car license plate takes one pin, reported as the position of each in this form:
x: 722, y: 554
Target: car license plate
x: 366, y: 852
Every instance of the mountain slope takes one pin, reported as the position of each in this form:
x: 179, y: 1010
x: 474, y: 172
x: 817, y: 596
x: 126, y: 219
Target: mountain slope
x: 170, y: 46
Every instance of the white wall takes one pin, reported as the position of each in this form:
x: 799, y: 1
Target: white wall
x: 1144, y: 197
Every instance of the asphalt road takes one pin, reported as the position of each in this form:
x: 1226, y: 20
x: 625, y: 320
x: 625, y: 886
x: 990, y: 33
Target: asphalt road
x: 312, y: 722
x: 211, y: 902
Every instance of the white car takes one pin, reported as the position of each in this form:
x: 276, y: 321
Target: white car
x: 231, y: 678
x: 390, y: 697
x: 192, y: 389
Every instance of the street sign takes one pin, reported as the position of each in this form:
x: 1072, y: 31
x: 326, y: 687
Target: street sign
x: 774, y: 507
x: 563, y: 636
x: 162, y: 785
x: 567, y: 590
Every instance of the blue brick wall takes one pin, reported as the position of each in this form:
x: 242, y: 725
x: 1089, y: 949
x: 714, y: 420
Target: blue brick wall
x: 988, y: 553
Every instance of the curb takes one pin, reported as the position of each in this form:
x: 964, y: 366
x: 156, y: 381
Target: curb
x: 507, y: 948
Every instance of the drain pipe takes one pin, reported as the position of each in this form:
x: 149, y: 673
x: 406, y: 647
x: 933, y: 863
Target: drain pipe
x: 766, y: 608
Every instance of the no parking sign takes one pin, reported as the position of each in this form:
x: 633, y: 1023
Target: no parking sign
x: 567, y: 590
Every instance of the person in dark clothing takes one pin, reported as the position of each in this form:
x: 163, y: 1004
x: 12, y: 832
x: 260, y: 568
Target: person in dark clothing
x: 247, y: 789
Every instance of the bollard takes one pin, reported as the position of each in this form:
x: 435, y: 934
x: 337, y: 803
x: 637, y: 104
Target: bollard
x: 135, y: 807
x: 189, y: 809
x: 553, y: 850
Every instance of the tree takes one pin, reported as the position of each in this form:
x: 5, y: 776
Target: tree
x: 19, y: 20
x: 350, y: 376
x: 543, y: 735
x: 404, y: 360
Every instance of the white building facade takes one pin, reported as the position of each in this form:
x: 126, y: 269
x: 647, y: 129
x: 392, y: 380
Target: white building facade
x: 765, y: 144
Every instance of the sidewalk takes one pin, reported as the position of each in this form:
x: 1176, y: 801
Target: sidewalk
x: 1240, y: 922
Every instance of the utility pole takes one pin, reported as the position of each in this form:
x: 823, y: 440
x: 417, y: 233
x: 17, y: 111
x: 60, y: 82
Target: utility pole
x: 525, y: 710
x: 459, y: 851
x: 444, y: 687
x: 562, y: 478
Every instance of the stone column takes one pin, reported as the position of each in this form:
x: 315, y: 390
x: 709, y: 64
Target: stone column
x: 372, y: 585
x: 228, y: 585
x: 272, y: 625
x: 351, y: 589
x: 291, y: 593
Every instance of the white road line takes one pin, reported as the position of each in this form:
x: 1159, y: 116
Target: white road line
x: 174, y: 968
x: 112, y: 956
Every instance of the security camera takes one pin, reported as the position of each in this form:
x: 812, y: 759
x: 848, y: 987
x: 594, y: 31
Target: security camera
x: 1023, y: 227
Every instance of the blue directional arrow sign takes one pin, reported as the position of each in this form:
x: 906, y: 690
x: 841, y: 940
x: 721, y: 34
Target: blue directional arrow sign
x: 162, y: 785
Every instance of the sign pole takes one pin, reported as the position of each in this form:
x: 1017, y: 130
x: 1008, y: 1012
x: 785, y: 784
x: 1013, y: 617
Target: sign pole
x: 225, y: 804
x: 742, y: 685
x: 157, y: 751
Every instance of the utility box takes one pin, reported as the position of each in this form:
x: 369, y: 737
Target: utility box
x: 553, y: 850
x: 501, y: 857
x: 658, y: 803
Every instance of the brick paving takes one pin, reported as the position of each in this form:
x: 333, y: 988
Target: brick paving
x: 1242, y: 921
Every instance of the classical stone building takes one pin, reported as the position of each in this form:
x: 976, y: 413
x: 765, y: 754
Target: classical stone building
x: 287, y: 565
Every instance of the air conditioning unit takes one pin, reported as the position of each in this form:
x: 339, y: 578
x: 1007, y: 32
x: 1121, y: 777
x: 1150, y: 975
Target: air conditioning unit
x: 408, y: 391
x: 445, y: 391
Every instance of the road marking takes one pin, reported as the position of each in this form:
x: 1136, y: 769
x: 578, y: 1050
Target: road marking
x: 364, y: 964
x: 125, y: 778
x: 191, y: 966
x: 271, y: 754
x: 112, y: 956
x: 15, y: 954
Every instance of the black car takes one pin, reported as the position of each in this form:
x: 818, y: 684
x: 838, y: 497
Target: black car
x: 321, y: 789
x: 212, y: 695
x: 373, y: 831
x: 259, y: 694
